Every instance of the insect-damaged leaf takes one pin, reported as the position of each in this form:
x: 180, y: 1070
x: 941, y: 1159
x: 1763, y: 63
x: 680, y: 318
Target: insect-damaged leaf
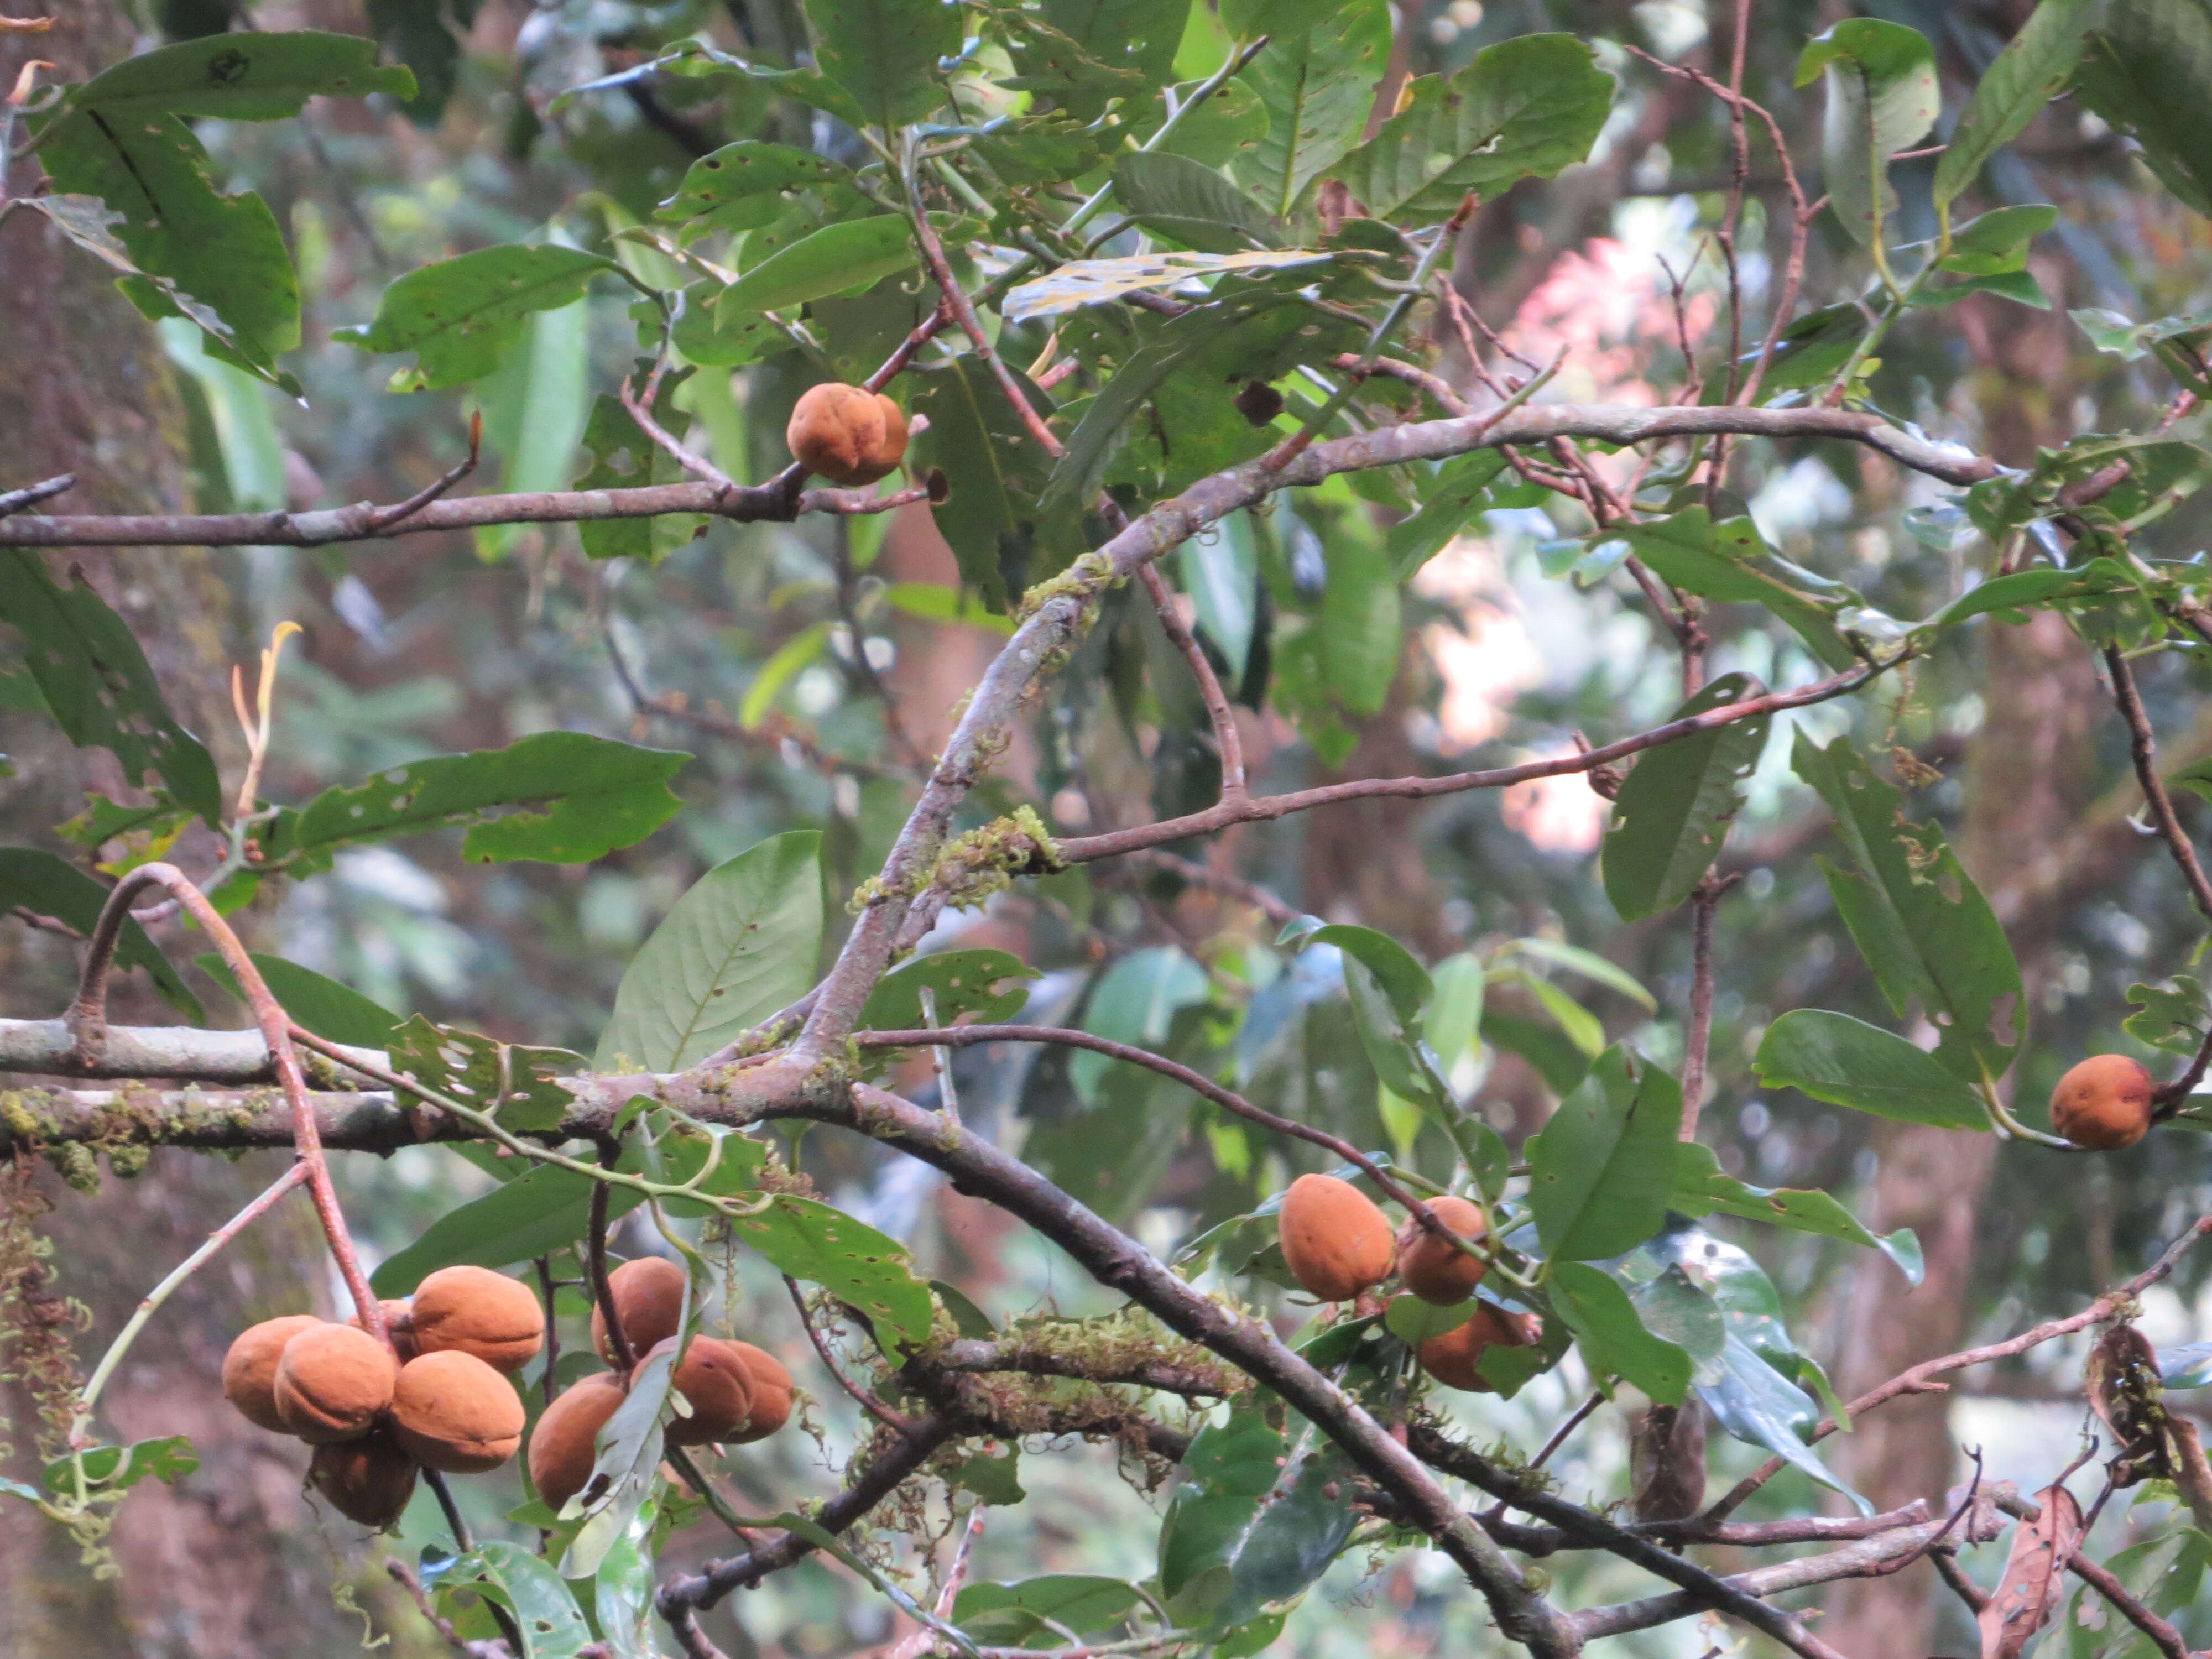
x: 2034, y: 1575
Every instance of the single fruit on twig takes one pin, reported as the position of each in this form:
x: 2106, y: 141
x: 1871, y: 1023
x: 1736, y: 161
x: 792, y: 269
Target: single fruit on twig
x: 712, y: 1377
x: 770, y: 1387
x: 476, y: 1311
x: 1434, y: 1271
x: 333, y: 1382
x: 1335, y: 1240
x: 456, y: 1414
x: 2103, y: 1104
x: 368, y: 1480
x: 1452, y: 1357
x: 249, y: 1370
x: 648, y: 1297
x: 849, y: 435
x: 398, y: 1325
x: 564, y: 1445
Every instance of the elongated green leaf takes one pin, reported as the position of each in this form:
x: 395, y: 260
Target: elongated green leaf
x: 1256, y: 1521
x: 545, y: 1613
x: 329, y: 1009
x: 117, y: 1468
x: 976, y: 436
x: 1847, y: 1062
x: 51, y: 886
x: 1731, y: 561
x: 241, y: 77
x: 460, y: 317
x: 1186, y: 202
x: 1612, y: 1336
x: 741, y: 945
x: 1459, y: 489
x: 535, y: 409
x: 1602, y: 1170
x: 783, y: 666
x: 2165, y: 1574
x: 95, y: 681
x: 1136, y: 1001
x: 1701, y: 1187
x: 250, y: 450
x: 745, y: 184
x: 1923, y: 926
x: 1317, y: 84
x: 850, y: 257
x: 959, y: 982
x: 1522, y: 109
x: 535, y: 1214
x: 1754, y: 1402
x: 1588, y: 964
x: 2032, y: 71
x: 1018, y: 1614
x: 2022, y: 590
x: 884, y: 53
x: 578, y: 798
x: 1882, y: 98
x: 1674, y: 808
x: 874, y: 1273
x: 424, y: 34
x: 2147, y: 70
x: 1362, y: 629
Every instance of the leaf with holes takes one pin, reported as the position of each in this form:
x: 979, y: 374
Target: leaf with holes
x: 514, y: 1083
x: 1883, y: 96
x: 742, y: 186
x: 959, y: 982
x: 848, y: 1258
x: 2034, y: 1575
x: 462, y: 316
x: 239, y: 77
x: 1674, y: 808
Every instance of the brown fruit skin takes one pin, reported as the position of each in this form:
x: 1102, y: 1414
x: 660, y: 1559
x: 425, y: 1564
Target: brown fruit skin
x: 564, y: 1444
x: 332, y: 1383
x: 399, y: 1327
x: 770, y: 1385
x: 368, y: 1480
x: 2103, y: 1104
x: 1452, y: 1357
x: 847, y: 434
x: 712, y: 1378
x: 1336, y: 1242
x: 648, y: 1294
x: 249, y: 1370
x: 1434, y: 1271
x: 456, y: 1414
x: 476, y: 1311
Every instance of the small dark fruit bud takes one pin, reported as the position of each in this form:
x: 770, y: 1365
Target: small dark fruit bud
x: 368, y: 1480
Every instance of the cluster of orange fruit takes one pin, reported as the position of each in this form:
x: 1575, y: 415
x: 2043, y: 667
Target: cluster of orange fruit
x: 1339, y: 1244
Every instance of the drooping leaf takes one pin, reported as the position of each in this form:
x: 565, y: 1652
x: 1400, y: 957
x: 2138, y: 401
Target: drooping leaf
x: 813, y: 1242
x: 336, y: 1012
x: 743, y: 185
x: 623, y: 458
x: 1184, y: 201
x: 535, y: 1214
x: 1674, y: 809
x: 50, y: 886
x: 978, y: 441
x: 1848, y: 1062
x: 1081, y: 282
x: 1256, y: 1521
x: 1459, y: 489
x: 1362, y: 629
x: 544, y: 1611
x: 1882, y: 97
x: 1034, y: 1611
x: 2146, y: 70
x: 1612, y: 1338
x: 1702, y: 1187
x: 738, y: 946
x: 461, y: 316
x: 1731, y: 561
x: 2032, y: 71
x: 2034, y: 1575
x: 1524, y: 109
x: 1317, y: 85
x: 1602, y: 1170
x: 884, y: 53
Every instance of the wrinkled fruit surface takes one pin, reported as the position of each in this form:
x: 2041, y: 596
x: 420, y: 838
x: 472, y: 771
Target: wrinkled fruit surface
x: 456, y: 1414
x: 1434, y: 1271
x: 1335, y: 1241
x: 249, y: 1370
x: 770, y: 1387
x: 1452, y: 1357
x: 2104, y: 1103
x: 333, y: 1382
x: 564, y: 1445
x: 712, y: 1378
x: 368, y: 1480
x: 648, y: 1297
x: 849, y: 436
x: 474, y: 1311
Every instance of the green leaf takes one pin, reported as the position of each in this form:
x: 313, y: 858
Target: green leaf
x: 2146, y: 71
x: 1138, y: 36
x: 959, y: 982
x: 1256, y: 1522
x: 461, y: 316
x: 544, y: 1610
x: 2032, y: 71
x: 423, y: 35
x: 850, y: 256
x: 1882, y: 98
x: 1998, y: 240
x: 579, y: 798
x: 1674, y: 1307
x: 1587, y: 964
x: 1524, y: 109
x: 1701, y: 1187
x: 1612, y: 1339
x: 95, y: 681
x: 239, y: 77
x: 1018, y: 1614
x: 538, y: 1213
x: 738, y: 946
x: 1362, y: 627
x: 535, y: 411
x: 874, y: 1273
x: 1923, y: 926
x: 1459, y: 489
x: 1135, y: 1001
x: 623, y: 458
x: 2165, y: 1574
x: 336, y: 1012
x: 742, y: 186
x: 1317, y: 84
x: 1730, y: 562
x: 783, y: 666
x: 516, y: 1083
x: 1754, y: 1402
x: 1847, y: 1062
x: 39, y: 882
x: 1602, y: 1170
x: 977, y: 439
x: 1081, y: 282
x: 2173, y: 1018
x: 1811, y: 349
x: 1414, y: 1321
x: 117, y: 1468
x: 1674, y: 808
x: 2022, y: 590
x: 1188, y: 203
x: 884, y: 53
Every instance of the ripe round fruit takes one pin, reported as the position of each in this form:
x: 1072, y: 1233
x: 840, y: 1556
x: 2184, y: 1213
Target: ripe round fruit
x: 712, y: 1377
x: 849, y: 435
x: 456, y: 1414
x: 564, y: 1444
x: 770, y: 1387
x: 2104, y: 1103
x: 1452, y: 1357
x: 1434, y: 1271
x: 649, y: 1297
x: 1335, y: 1241
x: 249, y: 1370
x: 476, y: 1311
x: 398, y: 1325
x: 333, y: 1382
x: 368, y: 1480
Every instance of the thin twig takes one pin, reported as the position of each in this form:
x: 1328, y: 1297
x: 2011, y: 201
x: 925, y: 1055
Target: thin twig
x: 1272, y: 905
x: 2142, y: 746
x: 867, y: 1402
x: 384, y: 517
x: 1704, y: 899
x: 624, y: 1357
x: 15, y: 501
x: 1228, y: 747
x: 404, y: 1577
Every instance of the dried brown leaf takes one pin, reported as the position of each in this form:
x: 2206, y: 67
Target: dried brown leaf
x: 2034, y: 1575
